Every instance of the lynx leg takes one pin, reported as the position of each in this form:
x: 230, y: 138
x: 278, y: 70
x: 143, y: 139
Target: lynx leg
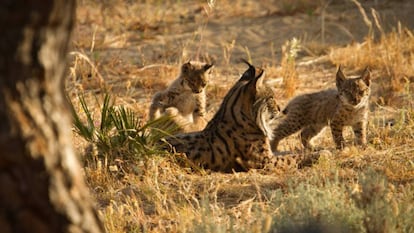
x: 199, y: 122
x: 309, y: 132
x: 155, y: 108
x: 338, y: 138
x: 181, y: 122
x: 154, y: 112
x: 360, y: 132
x: 200, y: 113
x: 283, y: 130
x: 273, y: 144
x: 172, y: 111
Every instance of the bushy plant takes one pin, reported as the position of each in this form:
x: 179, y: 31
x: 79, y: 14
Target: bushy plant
x: 382, y: 210
x: 368, y: 204
x: 312, y: 207
x: 119, y: 133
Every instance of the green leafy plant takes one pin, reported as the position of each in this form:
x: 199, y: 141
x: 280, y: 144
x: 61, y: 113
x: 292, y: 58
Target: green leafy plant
x: 119, y: 133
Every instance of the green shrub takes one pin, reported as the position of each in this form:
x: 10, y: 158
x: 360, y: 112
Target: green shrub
x: 119, y: 133
x: 368, y: 204
x: 321, y: 206
x: 383, y: 210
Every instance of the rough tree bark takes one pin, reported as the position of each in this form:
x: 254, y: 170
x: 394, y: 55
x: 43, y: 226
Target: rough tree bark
x: 41, y: 185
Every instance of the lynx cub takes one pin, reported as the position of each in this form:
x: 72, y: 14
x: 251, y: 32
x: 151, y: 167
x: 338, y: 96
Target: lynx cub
x: 185, y: 98
x: 346, y: 106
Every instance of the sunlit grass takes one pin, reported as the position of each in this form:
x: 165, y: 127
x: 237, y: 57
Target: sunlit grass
x: 140, y: 188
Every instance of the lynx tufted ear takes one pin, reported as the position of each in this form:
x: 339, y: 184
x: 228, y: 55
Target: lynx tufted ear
x: 257, y: 81
x: 249, y: 74
x: 340, y: 77
x: 366, y: 76
x: 259, y: 77
x: 254, y: 75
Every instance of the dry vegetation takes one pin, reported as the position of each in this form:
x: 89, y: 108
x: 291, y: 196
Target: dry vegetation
x: 130, y: 49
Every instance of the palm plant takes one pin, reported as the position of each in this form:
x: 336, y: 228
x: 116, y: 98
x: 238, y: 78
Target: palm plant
x: 120, y: 133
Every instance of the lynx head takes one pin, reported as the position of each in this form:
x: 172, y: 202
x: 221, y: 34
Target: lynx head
x: 195, y: 75
x: 354, y: 92
x: 260, y: 100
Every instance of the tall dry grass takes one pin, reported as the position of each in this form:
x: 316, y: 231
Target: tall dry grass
x: 353, y: 190
x: 390, y: 54
x: 288, y: 67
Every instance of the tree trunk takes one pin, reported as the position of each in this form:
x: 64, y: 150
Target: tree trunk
x: 41, y: 184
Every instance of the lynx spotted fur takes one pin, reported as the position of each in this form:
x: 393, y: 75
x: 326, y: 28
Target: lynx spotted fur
x: 237, y: 138
x: 346, y: 106
x: 185, y: 98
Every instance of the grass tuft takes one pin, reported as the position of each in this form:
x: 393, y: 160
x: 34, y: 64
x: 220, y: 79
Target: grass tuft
x: 290, y: 76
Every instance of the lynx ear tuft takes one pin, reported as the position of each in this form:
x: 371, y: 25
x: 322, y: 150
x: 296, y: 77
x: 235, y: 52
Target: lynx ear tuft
x: 250, y: 73
x: 245, y: 61
x: 257, y: 82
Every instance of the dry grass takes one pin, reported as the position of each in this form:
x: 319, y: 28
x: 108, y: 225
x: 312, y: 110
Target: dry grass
x: 391, y: 56
x: 290, y: 76
x: 119, y: 48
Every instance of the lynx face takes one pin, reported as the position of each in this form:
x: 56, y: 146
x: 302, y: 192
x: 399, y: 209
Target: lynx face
x: 354, y: 92
x: 195, y: 75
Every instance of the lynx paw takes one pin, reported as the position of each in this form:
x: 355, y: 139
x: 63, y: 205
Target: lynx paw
x: 171, y: 111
